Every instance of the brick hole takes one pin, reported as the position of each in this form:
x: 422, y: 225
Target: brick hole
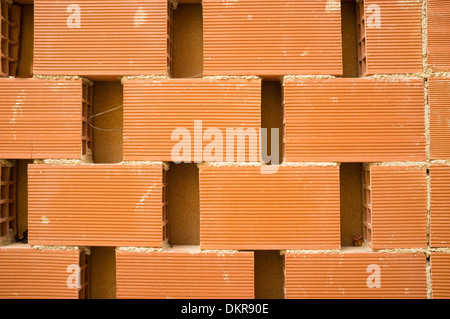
x: 272, y: 115
x: 102, y: 273
x: 187, y: 41
x: 107, y: 138
x: 351, y: 46
x: 351, y: 202
x: 269, y: 274
x: 183, y: 204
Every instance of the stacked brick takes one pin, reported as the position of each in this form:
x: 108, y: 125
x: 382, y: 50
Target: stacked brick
x: 394, y: 119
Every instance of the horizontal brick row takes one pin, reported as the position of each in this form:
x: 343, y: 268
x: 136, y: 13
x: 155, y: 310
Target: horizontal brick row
x: 27, y: 272
x: 290, y: 208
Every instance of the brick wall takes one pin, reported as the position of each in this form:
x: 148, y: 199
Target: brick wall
x: 224, y: 149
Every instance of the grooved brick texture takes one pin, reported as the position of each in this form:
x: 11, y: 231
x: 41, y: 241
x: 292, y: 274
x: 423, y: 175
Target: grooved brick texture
x: 440, y: 275
x: 182, y: 273
x: 113, y: 39
x: 40, y: 118
x: 156, y: 109
x: 294, y: 208
x: 271, y: 37
x: 440, y: 206
x: 354, y: 120
x: 349, y: 275
x: 395, y: 44
x: 399, y: 207
x: 438, y: 17
x: 439, y: 100
x: 95, y: 205
x: 37, y: 274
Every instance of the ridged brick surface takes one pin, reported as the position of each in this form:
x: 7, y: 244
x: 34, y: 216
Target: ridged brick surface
x: 33, y: 273
x: 294, y: 208
x: 271, y: 37
x: 395, y: 44
x: 40, y: 118
x: 440, y: 275
x: 440, y: 206
x: 346, y: 275
x: 114, y: 38
x: 439, y: 97
x: 399, y: 207
x: 438, y: 17
x: 183, y: 273
x: 354, y: 120
x: 154, y: 109
x: 95, y: 205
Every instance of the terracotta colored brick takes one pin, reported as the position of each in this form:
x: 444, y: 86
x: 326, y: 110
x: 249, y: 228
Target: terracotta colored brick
x: 271, y: 37
x: 390, y: 37
x: 439, y: 97
x: 354, y: 120
x: 43, y: 118
x: 95, y: 205
x: 397, y: 204
x: 440, y: 275
x: 440, y: 206
x: 28, y: 273
x: 438, y: 17
x: 8, y: 201
x: 112, y: 39
x: 349, y: 275
x: 184, y: 272
x: 154, y: 109
x: 294, y: 208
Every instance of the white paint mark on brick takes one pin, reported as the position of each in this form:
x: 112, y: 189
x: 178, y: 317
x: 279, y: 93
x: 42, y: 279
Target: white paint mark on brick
x: 140, y: 17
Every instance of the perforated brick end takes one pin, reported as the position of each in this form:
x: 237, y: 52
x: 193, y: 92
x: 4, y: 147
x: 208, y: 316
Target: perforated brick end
x: 8, y: 184
x: 86, y: 134
x: 9, y: 32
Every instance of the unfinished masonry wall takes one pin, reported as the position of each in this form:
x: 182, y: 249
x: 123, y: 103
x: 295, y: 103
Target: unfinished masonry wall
x: 361, y: 176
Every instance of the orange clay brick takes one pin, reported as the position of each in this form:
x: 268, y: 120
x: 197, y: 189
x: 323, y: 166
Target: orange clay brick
x: 354, y: 120
x: 440, y: 275
x: 184, y: 272
x: 154, y: 109
x: 397, y: 207
x: 355, y: 275
x: 438, y: 17
x: 389, y: 37
x: 28, y: 273
x: 440, y: 206
x: 271, y: 37
x: 294, y: 208
x: 439, y: 100
x: 103, y: 41
x: 44, y: 118
x: 95, y: 205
